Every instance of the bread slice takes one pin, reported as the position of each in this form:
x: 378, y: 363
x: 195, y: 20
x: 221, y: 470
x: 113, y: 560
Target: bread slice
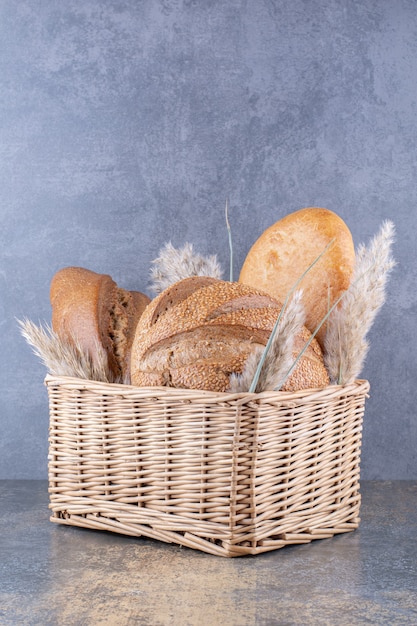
x: 200, y: 330
x: 286, y: 249
x: 91, y: 310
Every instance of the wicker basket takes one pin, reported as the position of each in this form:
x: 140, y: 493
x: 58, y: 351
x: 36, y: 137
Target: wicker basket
x: 229, y: 474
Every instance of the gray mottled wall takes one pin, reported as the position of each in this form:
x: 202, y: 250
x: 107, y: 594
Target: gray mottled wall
x: 126, y: 123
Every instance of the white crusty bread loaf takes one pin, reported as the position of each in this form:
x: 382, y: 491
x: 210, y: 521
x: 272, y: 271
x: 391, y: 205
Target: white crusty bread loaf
x: 91, y: 310
x: 199, y: 331
x: 286, y: 249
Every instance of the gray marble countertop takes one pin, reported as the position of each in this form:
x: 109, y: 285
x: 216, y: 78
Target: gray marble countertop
x: 59, y: 575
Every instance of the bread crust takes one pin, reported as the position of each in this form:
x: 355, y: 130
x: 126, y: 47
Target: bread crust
x: 91, y: 310
x: 199, y: 331
x: 286, y: 249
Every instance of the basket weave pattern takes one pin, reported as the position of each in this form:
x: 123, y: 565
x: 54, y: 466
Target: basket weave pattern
x: 229, y: 474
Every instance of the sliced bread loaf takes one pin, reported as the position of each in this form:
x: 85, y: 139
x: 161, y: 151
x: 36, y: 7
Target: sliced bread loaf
x: 91, y: 310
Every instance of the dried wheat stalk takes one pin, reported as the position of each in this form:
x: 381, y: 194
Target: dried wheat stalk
x: 278, y: 357
x: 346, y: 346
x: 174, y: 264
x: 65, y: 359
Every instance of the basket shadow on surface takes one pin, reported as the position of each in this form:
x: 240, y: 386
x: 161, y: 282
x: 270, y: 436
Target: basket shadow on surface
x: 228, y: 474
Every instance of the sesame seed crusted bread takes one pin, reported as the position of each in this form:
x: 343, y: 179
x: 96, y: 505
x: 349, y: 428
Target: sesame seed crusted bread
x: 91, y: 310
x: 286, y: 249
x: 199, y: 331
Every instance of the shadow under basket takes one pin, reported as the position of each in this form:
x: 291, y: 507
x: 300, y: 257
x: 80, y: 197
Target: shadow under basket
x: 228, y: 474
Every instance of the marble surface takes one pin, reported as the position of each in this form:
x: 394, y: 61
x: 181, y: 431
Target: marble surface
x: 65, y: 576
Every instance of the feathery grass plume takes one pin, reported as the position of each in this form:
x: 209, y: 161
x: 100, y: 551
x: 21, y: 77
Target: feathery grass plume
x: 174, y: 264
x: 279, y: 357
x: 274, y: 330
x: 309, y: 341
x: 229, y: 231
x: 240, y: 383
x: 346, y: 346
x: 65, y: 359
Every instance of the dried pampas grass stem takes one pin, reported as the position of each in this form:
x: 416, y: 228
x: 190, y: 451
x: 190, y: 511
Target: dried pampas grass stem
x: 312, y: 336
x: 274, y: 362
x: 240, y: 383
x: 271, y: 339
x: 345, y: 345
x: 64, y: 359
x: 174, y: 264
x: 229, y: 231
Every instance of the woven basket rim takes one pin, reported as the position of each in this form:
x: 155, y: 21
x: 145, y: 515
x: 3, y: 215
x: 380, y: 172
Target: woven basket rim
x: 311, y: 394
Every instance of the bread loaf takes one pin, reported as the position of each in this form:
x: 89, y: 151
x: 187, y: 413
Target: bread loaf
x: 287, y: 248
x: 199, y: 331
x: 91, y: 310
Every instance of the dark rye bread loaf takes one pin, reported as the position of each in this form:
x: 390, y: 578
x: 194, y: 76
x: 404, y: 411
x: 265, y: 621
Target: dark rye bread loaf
x: 199, y: 331
x: 91, y: 310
